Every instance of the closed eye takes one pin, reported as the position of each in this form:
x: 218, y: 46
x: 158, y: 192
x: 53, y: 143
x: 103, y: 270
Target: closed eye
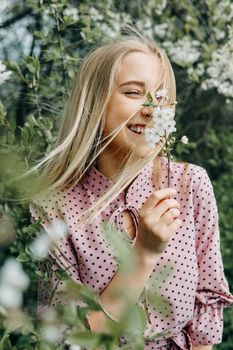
x: 138, y: 93
x: 133, y: 93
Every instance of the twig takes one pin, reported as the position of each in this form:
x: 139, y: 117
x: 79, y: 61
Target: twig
x: 64, y: 273
x: 64, y: 73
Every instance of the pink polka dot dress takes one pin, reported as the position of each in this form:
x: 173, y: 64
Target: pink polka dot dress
x: 188, y: 278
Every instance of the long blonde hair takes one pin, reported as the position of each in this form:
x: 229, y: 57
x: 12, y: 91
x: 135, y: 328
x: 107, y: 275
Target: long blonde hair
x: 79, y: 141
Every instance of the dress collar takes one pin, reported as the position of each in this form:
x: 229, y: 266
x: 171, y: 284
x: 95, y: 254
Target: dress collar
x: 99, y: 183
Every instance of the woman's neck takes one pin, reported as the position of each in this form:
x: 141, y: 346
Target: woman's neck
x: 108, y: 165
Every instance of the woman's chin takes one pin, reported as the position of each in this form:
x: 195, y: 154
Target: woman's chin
x: 143, y: 151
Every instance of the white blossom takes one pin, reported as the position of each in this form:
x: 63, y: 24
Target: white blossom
x: 159, y: 6
x: 40, y: 246
x: 161, y: 93
x: 167, y: 113
x: 2, y: 67
x: 223, y: 11
x: 161, y: 30
x: 220, y: 70
x: 10, y: 297
x: 50, y: 333
x: 200, y: 69
x: 151, y: 137
x: 58, y: 230
x: 71, y: 12
x: 4, y: 74
x: 3, y: 5
x: 13, y: 275
x: 219, y: 34
x: 49, y: 315
x: 146, y: 24
x: 110, y: 30
x: 95, y: 14
x: 213, y: 71
x: 184, y: 51
x: 226, y: 88
x: 3, y: 311
x: 75, y: 347
x: 13, y: 281
x: 184, y: 139
x: 113, y: 26
x: 164, y: 125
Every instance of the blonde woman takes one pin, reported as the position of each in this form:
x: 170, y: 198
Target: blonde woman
x: 103, y: 169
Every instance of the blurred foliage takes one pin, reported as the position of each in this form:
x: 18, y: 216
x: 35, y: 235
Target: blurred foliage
x: 42, y: 43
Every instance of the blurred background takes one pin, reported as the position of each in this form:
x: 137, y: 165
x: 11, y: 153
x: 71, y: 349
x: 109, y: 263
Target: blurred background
x: 41, y: 45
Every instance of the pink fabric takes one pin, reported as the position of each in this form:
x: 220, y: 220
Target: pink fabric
x: 188, y: 278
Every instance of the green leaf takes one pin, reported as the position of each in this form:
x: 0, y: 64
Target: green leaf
x: 134, y: 320
x: 23, y: 257
x: 149, y: 97
x: 139, y: 343
x: 120, y: 247
x: 85, y: 339
x: 82, y: 312
x: 44, y: 346
x: 161, y: 304
x: 5, y: 343
x: 79, y: 291
x: 39, y: 273
x: 12, y: 65
x: 33, y: 65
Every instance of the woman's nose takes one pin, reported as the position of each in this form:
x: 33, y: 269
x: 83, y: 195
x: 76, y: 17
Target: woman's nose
x: 147, y: 111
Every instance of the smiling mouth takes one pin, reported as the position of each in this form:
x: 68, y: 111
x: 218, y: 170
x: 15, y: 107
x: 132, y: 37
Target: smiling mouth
x: 136, y: 129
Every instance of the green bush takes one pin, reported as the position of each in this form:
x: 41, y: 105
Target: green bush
x: 50, y: 38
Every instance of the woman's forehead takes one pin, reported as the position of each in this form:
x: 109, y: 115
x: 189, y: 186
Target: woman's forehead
x: 140, y: 68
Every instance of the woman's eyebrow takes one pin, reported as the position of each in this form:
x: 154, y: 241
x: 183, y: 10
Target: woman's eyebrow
x: 134, y: 82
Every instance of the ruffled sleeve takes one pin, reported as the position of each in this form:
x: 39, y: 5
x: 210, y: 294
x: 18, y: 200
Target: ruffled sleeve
x: 62, y: 255
x: 212, y: 293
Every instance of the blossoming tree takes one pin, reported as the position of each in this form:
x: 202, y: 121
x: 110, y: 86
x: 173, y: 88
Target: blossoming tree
x: 41, y: 44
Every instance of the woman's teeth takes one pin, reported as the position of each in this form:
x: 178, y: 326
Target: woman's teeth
x: 137, y: 129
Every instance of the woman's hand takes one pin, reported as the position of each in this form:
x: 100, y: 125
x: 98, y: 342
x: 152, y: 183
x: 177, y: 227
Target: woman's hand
x: 157, y: 222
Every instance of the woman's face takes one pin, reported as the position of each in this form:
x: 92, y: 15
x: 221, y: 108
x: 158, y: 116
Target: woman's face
x: 139, y: 73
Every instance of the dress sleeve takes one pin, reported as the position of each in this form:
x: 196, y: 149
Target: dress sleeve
x: 212, y: 293
x: 62, y: 257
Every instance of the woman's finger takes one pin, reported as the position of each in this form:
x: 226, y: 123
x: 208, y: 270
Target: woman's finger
x: 170, y: 215
x: 174, y: 226
x: 157, y: 196
x: 164, y: 206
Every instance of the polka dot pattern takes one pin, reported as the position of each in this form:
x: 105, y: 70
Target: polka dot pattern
x: 188, y: 279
